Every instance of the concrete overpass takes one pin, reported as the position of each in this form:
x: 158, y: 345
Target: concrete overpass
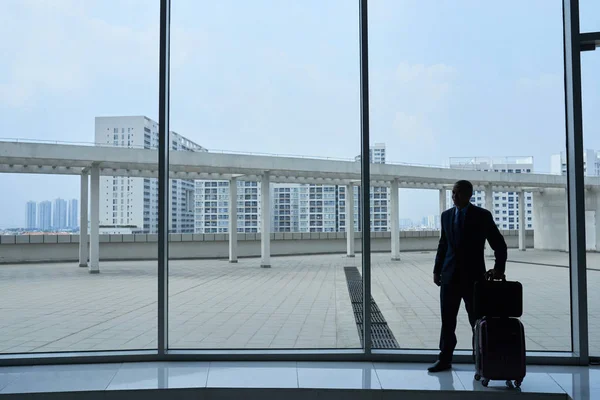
x: 94, y: 161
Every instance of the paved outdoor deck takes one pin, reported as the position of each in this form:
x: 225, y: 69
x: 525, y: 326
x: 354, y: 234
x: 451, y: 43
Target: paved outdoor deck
x: 302, y: 302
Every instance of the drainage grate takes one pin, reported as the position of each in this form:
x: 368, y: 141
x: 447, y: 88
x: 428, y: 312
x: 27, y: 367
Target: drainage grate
x: 381, y: 335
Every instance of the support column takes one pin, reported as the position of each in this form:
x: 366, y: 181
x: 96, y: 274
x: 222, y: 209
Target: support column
x: 395, y: 225
x: 443, y: 205
x: 522, y: 221
x: 233, y: 221
x: 83, y: 220
x: 94, y: 266
x: 265, y: 221
x: 350, y: 220
x: 489, y: 205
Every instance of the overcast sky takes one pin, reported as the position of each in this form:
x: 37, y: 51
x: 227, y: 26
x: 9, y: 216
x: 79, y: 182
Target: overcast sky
x: 448, y: 79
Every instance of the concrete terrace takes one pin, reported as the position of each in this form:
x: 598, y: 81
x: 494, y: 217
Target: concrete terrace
x: 301, y: 302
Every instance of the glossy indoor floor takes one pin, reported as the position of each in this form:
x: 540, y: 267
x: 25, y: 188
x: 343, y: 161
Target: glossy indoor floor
x: 100, y: 380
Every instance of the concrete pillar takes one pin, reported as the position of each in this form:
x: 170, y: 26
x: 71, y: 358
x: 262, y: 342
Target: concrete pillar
x: 522, y: 221
x: 443, y: 206
x: 350, y: 220
x: 94, y: 266
x: 233, y: 221
x: 265, y: 221
x: 83, y: 220
x: 395, y: 225
x: 489, y: 205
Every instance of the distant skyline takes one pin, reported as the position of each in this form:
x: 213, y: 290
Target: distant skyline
x: 283, y: 78
x: 47, y: 214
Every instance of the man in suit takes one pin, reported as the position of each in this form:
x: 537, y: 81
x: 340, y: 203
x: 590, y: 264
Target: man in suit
x: 459, y: 263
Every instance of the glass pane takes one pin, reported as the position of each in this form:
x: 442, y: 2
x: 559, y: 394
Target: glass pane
x: 590, y: 82
x: 268, y: 101
x: 68, y: 68
x: 467, y: 98
x: 588, y: 16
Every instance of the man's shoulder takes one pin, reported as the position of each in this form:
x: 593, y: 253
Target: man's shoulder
x: 479, y: 210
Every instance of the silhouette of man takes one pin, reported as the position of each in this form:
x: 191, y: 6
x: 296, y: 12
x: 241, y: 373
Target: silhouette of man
x: 459, y: 263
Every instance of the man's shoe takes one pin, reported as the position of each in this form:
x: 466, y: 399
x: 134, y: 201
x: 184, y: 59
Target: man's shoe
x: 439, y: 366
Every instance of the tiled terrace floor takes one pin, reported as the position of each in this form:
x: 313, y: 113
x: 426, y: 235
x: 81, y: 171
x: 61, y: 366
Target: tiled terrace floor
x: 301, y: 302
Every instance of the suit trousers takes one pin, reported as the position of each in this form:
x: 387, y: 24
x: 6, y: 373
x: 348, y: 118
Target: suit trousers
x: 451, y: 295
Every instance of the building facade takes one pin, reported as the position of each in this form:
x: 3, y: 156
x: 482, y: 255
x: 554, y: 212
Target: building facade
x: 322, y: 208
x: 506, y: 204
x: 45, y: 215
x: 212, y: 206
x: 380, y: 196
x: 126, y: 201
x: 591, y: 163
x: 31, y: 218
x: 59, y: 214
x: 72, y: 221
x: 310, y: 208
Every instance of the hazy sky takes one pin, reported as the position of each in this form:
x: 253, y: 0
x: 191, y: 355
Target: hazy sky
x: 448, y: 78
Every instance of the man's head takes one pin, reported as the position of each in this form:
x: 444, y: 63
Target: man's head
x: 462, y: 193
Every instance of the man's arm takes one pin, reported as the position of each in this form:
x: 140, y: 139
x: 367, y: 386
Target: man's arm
x: 496, y: 241
x: 441, y: 250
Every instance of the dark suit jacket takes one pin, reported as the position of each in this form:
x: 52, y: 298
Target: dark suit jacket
x: 468, y: 256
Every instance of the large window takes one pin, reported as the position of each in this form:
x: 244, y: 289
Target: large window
x: 469, y: 95
x: 590, y: 83
x: 71, y: 75
x: 252, y: 85
x: 267, y: 212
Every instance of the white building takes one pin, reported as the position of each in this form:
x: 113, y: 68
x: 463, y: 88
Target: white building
x: 506, y: 204
x: 31, y: 222
x: 591, y: 163
x: 322, y: 208
x: 72, y: 221
x: 380, y: 196
x: 126, y: 201
x: 310, y: 208
x: 45, y: 216
x: 212, y: 207
x: 59, y: 218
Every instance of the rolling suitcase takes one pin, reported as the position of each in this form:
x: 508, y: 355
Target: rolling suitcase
x: 499, y: 336
x: 500, y: 350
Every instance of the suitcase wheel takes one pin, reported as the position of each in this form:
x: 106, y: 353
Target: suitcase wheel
x: 477, y: 377
x: 518, y: 384
x: 485, y: 382
x: 510, y: 384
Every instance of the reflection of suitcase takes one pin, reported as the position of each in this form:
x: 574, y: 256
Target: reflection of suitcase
x: 499, y: 350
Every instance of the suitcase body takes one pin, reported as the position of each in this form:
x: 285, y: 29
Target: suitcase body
x: 500, y: 350
x: 497, y: 299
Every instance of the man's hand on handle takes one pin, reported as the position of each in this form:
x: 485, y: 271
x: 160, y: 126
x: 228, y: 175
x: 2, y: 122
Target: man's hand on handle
x: 437, y: 279
x: 493, y: 274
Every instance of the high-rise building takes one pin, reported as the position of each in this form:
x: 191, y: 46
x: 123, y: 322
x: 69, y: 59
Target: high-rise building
x: 322, y: 208
x: 73, y: 214
x: 126, y: 201
x: 591, y: 163
x: 31, y: 215
x: 433, y: 222
x: 506, y: 204
x: 212, y: 206
x: 59, y: 216
x: 45, y: 216
x: 310, y: 208
x: 380, y: 196
x: 376, y: 154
